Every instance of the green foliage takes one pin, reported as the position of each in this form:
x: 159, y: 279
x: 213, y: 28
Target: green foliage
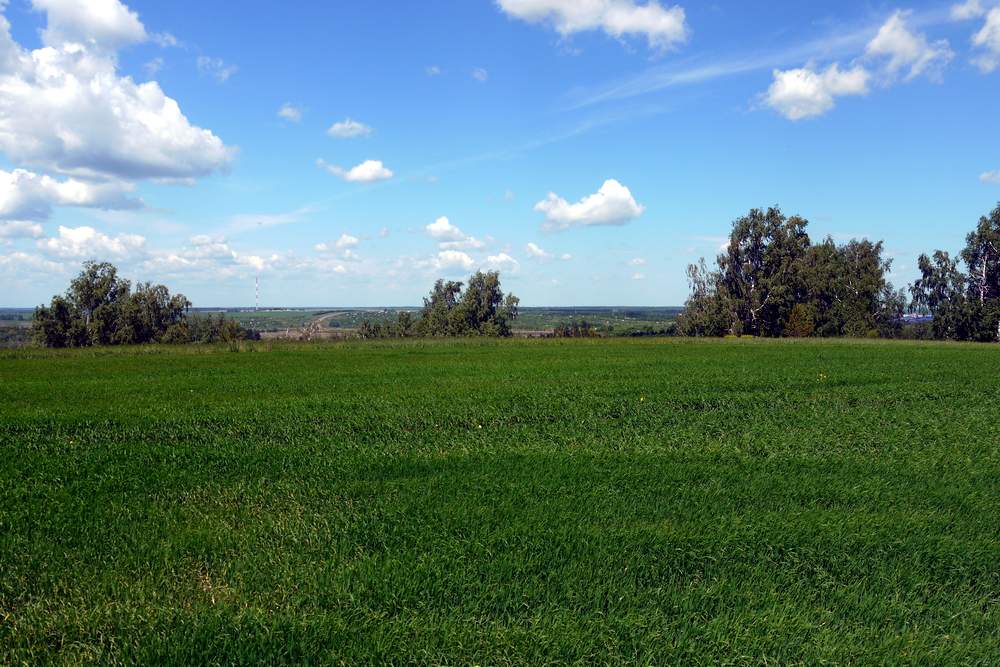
x: 964, y: 306
x: 481, y: 310
x: 209, y: 329
x: 801, y: 321
x: 99, y: 308
x: 649, y: 502
x: 404, y: 327
x: 770, y: 268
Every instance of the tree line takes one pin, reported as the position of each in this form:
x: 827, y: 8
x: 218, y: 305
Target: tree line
x: 100, y: 308
x: 772, y: 280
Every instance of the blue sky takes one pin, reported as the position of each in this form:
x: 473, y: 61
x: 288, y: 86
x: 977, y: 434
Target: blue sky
x: 350, y: 153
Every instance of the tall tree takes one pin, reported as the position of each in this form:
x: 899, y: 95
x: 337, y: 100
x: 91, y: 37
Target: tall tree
x: 481, y: 310
x: 759, y: 270
x: 982, y: 257
x: 941, y: 292
x: 435, y: 318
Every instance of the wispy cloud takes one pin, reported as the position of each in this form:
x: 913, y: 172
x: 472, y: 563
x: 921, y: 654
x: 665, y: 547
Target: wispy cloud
x: 837, y: 43
x: 247, y: 221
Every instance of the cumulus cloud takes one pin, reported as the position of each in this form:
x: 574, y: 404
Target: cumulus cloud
x: 663, y: 27
x: 988, y: 39
x: 345, y: 243
x: 502, y: 262
x: 450, y: 237
x: 970, y: 9
x: 613, y: 204
x: 908, y: 51
x: 290, y: 112
x: 25, y: 195
x: 805, y: 92
x: 212, y: 258
x: 64, y: 108
x: 216, y: 68
x: 448, y: 261
x: 20, y: 229
x: 442, y: 230
x: 348, y: 129
x: 18, y: 263
x: 368, y: 171
x: 104, y: 24
x: 88, y: 243
x: 990, y: 177
x: 536, y: 252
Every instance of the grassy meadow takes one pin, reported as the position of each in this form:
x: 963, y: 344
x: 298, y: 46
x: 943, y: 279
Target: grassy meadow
x: 513, y: 502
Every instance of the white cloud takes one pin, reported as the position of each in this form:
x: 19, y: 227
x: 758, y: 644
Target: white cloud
x: 450, y: 237
x: 344, y: 243
x: 449, y: 260
x: 988, y: 38
x: 990, y: 177
x: 803, y: 93
x: 25, y: 195
x: 970, y: 9
x: 613, y: 204
x: 368, y: 171
x: 66, y: 110
x: 907, y: 50
x: 347, y: 241
x: 20, y: 229
x: 432, y: 70
x: 637, y: 261
x: 19, y: 263
x: 480, y: 75
x: 290, y: 112
x: 565, y: 257
x: 536, y: 252
x: 104, y: 24
x: 349, y: 129
x: 663, y: 27
x: 638, y: 276
x: 216, y: 68
x: 383, y: 233
x: 502, y: 262
x: 88, y: 243
x: 442, y: 230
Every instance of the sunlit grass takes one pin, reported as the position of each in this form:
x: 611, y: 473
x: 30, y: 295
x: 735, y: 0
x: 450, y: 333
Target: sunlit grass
x: 489, y: 502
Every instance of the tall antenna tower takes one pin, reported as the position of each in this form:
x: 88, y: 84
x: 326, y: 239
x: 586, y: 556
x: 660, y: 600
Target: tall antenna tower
x: 256, y: 301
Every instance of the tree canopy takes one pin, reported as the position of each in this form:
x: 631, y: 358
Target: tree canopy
x: 964, y: 306
x: 100, y: 308
x: 771, y: 280
x: 481, y: 310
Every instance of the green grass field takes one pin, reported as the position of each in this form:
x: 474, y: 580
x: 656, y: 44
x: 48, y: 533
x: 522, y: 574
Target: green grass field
x: 517, y: 502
